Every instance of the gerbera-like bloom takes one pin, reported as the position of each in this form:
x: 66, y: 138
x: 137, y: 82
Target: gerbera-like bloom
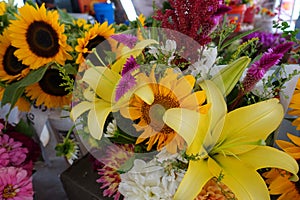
x: 48, y: 91
x: 115, y: 157
x: 93, y: 37
x: 15, y: 184
x: 295, y: 106
x: 215, y: 190
x: 168, y: 92
x: 10, y: 67
x: 38, y: 37
x: 17, y: 153
x: 279, y: 180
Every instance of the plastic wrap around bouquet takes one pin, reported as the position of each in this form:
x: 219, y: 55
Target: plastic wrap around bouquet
x: 167, y: 123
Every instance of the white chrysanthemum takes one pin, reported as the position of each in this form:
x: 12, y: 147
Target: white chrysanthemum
x: 148, y: 181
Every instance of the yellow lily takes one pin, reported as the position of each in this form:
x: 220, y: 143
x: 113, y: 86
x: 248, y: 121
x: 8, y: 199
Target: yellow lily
x: 102, y: 81
x: 229, y: 146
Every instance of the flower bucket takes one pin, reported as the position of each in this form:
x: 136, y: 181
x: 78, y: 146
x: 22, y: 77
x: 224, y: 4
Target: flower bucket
x: 237, y: 15
x: 104, y: 12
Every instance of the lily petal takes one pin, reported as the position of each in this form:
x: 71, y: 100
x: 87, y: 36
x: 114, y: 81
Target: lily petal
x: 185, y: 122
x: 242, y: 179
x: 198, y: 174
x: 79, y: 109
x: 251, y: 124
x: 97, y: 117
x: 264, y: 156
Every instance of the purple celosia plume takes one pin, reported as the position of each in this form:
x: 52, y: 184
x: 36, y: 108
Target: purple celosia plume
x: 126, y: 39
x: 283, y: 48
x: 127, y: 81
x: 130, y: 65
x: 258, y: 69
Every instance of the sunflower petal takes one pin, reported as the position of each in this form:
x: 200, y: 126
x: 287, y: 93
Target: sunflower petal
x: 198, y: 174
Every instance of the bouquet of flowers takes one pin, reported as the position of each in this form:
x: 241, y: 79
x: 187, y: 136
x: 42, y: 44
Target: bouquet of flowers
x: 165, y: 121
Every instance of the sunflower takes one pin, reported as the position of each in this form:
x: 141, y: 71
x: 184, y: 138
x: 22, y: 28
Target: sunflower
x: 93, y: 37
x: 168, y: 92
x: 295, y: 106
x: 22, y: 103
x: 38, y: 37
x: 48, y: 91
x: 278, y: 180
x: 10, y: 67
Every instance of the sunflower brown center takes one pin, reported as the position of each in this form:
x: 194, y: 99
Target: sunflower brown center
x: 93, y: 43
x: 42, y: 39
x: 12, y: 66
x: 9, y: 192
x: 153, y: 114
x: 51, y: 83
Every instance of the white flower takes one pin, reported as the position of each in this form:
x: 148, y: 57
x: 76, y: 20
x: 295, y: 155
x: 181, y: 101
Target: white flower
x: 202, y: 69
x: 168, y: 50
x: 111, y: 129
x: 149, y: 181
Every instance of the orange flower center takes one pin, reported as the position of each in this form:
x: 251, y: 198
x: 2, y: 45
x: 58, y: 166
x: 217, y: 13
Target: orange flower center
x: 9, y: 192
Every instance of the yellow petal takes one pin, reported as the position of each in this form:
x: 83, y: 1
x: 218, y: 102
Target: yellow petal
x: 217, y: 111
x: 97, y: 117
x: 295, y: 139
x: 145, y: 93
x: 242, y: 179
x: 265, y: 157
x: 79, y: 109
x: 194, y: 179
x: 251, y: 124
x: 103, y: 81
x: 185, y: 122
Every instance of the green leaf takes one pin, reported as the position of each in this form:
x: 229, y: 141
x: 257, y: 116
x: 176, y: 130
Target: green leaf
x: 239, y: 36
x: 65, y: 18
x: 125, y: 167
x: 14, y: 91
x: 26, y: 128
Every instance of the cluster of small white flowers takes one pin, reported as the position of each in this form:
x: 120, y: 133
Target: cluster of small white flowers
x: 168, y: 50
x: 111, y: 129
x: 203, y: 68
x: 150, y: 181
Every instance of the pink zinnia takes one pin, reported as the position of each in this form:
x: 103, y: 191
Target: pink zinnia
x: 17, y: 153
x: 4, y: 157
x: 15, y: 184
x: 115, y: 157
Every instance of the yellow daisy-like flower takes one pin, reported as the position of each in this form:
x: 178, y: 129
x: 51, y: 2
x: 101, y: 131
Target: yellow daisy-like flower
x: 295, y: 106
x: 278, y: 180
x: 2, y: 7
x: 39, y: 37
x: 48, y: 91
x: 10, y: 67
x: 93, y: 37
x: 168, y: 92
x: 81, y: 23
x: 22, y: 104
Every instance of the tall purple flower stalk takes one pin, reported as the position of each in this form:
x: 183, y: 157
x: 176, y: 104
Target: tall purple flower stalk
x: 259, y: 68
x: 127, y: 81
